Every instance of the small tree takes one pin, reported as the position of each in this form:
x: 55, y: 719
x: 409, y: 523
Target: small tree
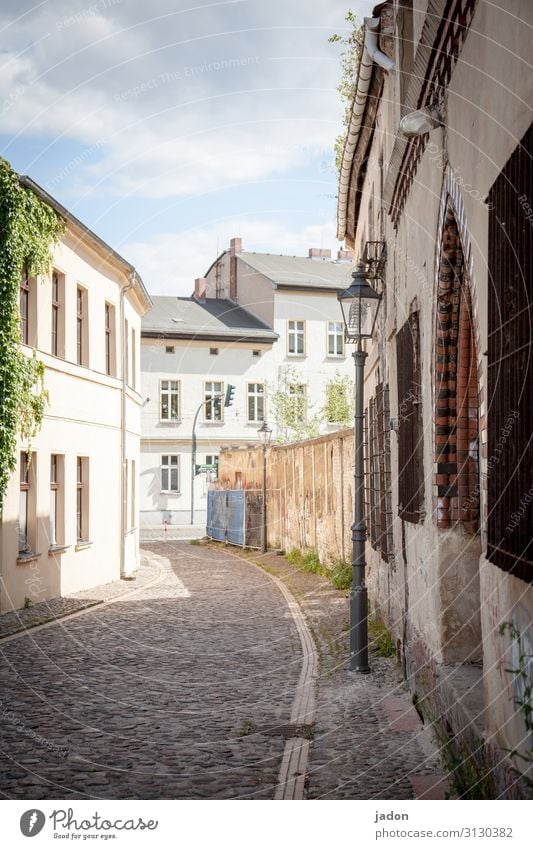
x: 339, y: 406
x: 290, y: 411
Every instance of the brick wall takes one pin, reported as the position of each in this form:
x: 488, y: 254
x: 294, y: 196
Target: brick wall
x: 309, y: 491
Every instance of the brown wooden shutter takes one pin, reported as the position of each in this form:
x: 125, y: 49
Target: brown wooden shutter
x: 510, y: 367
x: 410, y: 432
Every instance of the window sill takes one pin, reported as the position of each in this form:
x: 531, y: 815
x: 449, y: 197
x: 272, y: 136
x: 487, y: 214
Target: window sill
x: 169, y: 492
x: 28, y: 556
x: 57, y: 549
x: 296, y: 356
x: 169, y: 421
x: 335, y: 356
x: 209, y: 423
x: 82, y: 544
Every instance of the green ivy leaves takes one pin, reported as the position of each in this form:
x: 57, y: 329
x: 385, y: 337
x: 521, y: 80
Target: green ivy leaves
x: 28, y: 228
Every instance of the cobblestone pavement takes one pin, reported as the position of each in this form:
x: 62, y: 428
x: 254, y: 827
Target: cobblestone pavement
x: 55, y: 608
x: 182, y: 689
x: 369, y: 742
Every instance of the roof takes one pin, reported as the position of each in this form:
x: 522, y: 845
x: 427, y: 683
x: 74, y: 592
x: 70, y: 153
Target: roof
x: 214, y: 318
x: 108, y: 250
x: 301, y: 271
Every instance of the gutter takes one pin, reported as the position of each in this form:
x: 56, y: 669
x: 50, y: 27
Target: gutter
x: 123, y: 491
x: 370, y: 54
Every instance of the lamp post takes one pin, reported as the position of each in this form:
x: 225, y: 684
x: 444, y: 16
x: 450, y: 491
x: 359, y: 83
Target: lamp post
x: 265, y: 434
x: 359, y: 305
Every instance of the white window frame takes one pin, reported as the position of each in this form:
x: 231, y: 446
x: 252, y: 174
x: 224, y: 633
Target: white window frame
x: 170, y: 393
x: 209, y: 394
x: 293, y: 334
x: 167, y: 467
x: 256, y: 396
x: 335, y: 335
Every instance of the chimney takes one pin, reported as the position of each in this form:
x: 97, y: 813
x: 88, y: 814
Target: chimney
x: 199, y: 288
x: 344, y: 254
x: 235, y: 246
x: 319, y: 253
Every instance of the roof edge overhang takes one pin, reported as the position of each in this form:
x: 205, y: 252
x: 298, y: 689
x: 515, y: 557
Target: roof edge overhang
x: 370, y: 56
x: 86, y: 233
x: 208, y: 337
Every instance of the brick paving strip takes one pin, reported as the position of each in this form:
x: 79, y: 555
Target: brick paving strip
x: 369, y: 741
x: 17, y: 622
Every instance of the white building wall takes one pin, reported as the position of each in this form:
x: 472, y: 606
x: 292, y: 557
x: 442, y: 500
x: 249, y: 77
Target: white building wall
x: 83, y: 419
x: 192, y: 364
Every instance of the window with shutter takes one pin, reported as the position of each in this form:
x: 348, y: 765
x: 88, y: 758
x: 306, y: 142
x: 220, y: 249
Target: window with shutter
x: 377, y: 452
x: 510, y: 366
x: 410, y: 429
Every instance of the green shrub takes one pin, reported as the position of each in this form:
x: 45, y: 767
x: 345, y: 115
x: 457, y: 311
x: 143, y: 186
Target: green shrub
x: 340, y: 575
x: 294, y: 556
x: 311, y: 562
x: 381, y: 640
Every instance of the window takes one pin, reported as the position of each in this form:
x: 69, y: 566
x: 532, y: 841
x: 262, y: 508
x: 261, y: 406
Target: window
x: 256, y: 402
x: 256, y: 353
x: 510, y: 366
x: 170, y: 401
x: 213, y: 401
x: 25, y: 306
x: 133, y: 359
x: 53, y: 500
x: 82, y: 499
x: 298, y: 391
x: 56, y: 534
x: 378, y: 474
x: 56, y: 304
x: 82, y: 339
x: 127, y: 351
x: 213, y: 352
x: 335, y: 339
x: 170, y: 477
x: 212, y: 460
x: 410, y: 430
x: 133, y: 499
x: 24, y: 546
x: 110, y: 340
x: 296, y: 338
x: 169, y: 349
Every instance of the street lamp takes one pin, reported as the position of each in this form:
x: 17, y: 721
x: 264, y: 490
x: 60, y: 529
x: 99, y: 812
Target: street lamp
x: 359, y: 305
x: 265, y: 434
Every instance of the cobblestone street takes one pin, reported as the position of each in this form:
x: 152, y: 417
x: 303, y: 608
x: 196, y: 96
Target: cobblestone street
x: 185, y: 688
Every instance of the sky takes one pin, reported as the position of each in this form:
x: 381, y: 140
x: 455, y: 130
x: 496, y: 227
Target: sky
x: 169, y: 127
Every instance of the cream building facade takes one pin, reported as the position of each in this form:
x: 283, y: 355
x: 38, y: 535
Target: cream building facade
x: 70, y: 516
x: 256, y: 322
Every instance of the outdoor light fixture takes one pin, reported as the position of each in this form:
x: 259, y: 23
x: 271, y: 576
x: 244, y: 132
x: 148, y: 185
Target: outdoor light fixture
x: 265, y: 434
x: 359, y: 305
x: 422, y: 121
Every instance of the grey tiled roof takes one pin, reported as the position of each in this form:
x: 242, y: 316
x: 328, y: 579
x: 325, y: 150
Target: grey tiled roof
x: 211, y: 319
x: 300, y: 270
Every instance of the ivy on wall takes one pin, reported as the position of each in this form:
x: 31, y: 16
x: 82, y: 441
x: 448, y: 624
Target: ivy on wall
x: 290, y: 409
x: 28, y: 228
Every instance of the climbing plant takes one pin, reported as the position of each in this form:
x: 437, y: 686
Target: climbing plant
x: 522, y: 674
x: 28, y: 228
x: 339, y: 406
x: 352, y: 43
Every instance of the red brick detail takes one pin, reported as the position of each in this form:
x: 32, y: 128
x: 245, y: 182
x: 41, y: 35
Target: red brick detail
x: 456, y: 418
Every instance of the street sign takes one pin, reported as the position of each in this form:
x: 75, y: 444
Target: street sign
x: 205, y: 467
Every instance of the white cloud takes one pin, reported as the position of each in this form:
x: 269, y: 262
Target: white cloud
x: 166, y: 93
x: 170, y: 263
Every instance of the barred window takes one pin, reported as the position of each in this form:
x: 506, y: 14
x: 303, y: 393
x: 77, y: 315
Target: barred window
x: 510, y: 366
x: 410, y: 428
x: 378, y: 474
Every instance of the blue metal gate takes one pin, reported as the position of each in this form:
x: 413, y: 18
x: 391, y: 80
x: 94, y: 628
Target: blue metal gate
x: 233, y: 516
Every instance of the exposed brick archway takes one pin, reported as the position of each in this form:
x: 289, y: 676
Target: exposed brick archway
x: 456, y: 388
